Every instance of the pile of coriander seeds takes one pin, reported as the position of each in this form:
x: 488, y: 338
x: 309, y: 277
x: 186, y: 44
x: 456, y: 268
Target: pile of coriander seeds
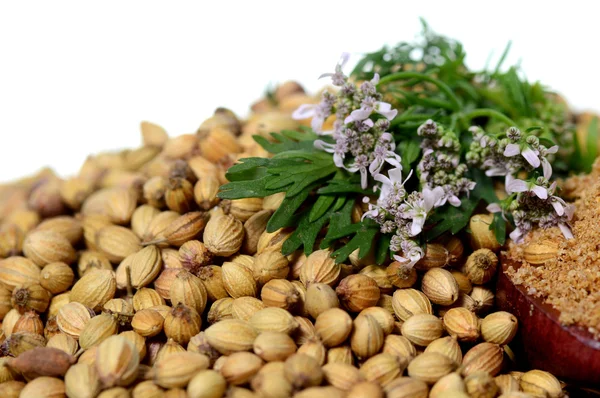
x: 132, y: 279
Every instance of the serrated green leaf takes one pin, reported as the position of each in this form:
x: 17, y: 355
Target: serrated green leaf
x: 409, y: 151
x: 285, y: 215
x: 322, y: 204
x: 591, y: 145
x: 362, y: 240
x: 286, y: 141
x: 382, y: 249
x: 450, y: 218
x: 499, y: 228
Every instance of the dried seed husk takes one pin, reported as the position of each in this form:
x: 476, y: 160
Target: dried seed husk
x: 281, y: 293
x: 299, y: 307
x: 436, y: 255
x: 81, y: 380
x: 147, y: 322
x: 154, y: 231
x: 138, y: 341
x: 176, y: 370
x: 305, y: 331
x: 67, y: 226
x: 484, y: 356
x: 179, y: 195
x: 20, y: 342
x: 409, y: 302
x: 240, y: 367
x: 400, y: 276
x: 45, y: 199
x: 194, y: 255
x: 217, y: 143
x: 146, y: 298
x: 357, y: 292
x: 538, y: 253
x: 399, y: 346
x: 116, y: 362
x: 29, y: 322
x: 8, y: 324
x: 541, y: 384
x: 272, y: 319
x: 117, y: 242
x: 462, y: 324
x: 42, y: 361
x: 189, y: 290
x: 448, y: 384
x: 367, y: 337
x: 481, y: 266
x: 92, y: 224
x: 181, y: 323
x: 482, y: 237
x: 115, y: 392
x: 57, y: 302
x: 145, y: 266
x: 231, y: 335
x: 274, y: 346
x: 303, y: 371
x: 245, y: 260
x: 270, y: 265
x: 320, y: 298
x: 72, y: 318
x: 447, y: 346
x: 25, y: 219
x: 170, y: 258
x: 153, y: 134
x: 406, y: 387
x: 57, y: 277
x: 342, y: 376
x: 45, y: 247
x: 154, y: 193
x: 270, y: 382
x: 481, y: 385
x: 95, y: 288
x: 243, y: 209
x: 11, y: 240
x: 11, y: 388
x: 147, y: 389
x: 206, y: 190
x: 220, y: 310
x: 319, y: 267
x: 383, y: 368
x: 430, y: 367
x: 223, y: 235
x: 16, y: 271
x: 321, y: 392
x: 333, y: 327
x: 183, y: 228
x: 244, y: 307
x: 163, y: 351
x: 64, y: 342
x: 207, y: 384
x: 162, y: 284
x: 365, y: 389
x: 440, y: 286
x: 89, y: 260
x: 341, y: 354
x: 484, y: 299
x: 422, y: 329
x: 30, y: 297
x: 464, y: 284
x: 379, y: 275
x: 44, y: 387
x: 507, y: 384
x: 238, y: 280
x: 499, y: 327
x: 74, y: 191
x: 382, y: 316
x: 315, y: 349
x: 199, y: 344
x: 253, y: 229
x: 6, y: 372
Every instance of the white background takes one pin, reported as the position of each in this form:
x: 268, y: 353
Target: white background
x: 77, y: 77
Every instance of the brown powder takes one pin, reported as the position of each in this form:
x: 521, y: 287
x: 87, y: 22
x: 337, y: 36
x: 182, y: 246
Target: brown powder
x: 571, y: 281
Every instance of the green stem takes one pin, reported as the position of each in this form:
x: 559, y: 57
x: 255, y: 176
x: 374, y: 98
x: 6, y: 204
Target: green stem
x: 489, y: 113
x: 415, y: 75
